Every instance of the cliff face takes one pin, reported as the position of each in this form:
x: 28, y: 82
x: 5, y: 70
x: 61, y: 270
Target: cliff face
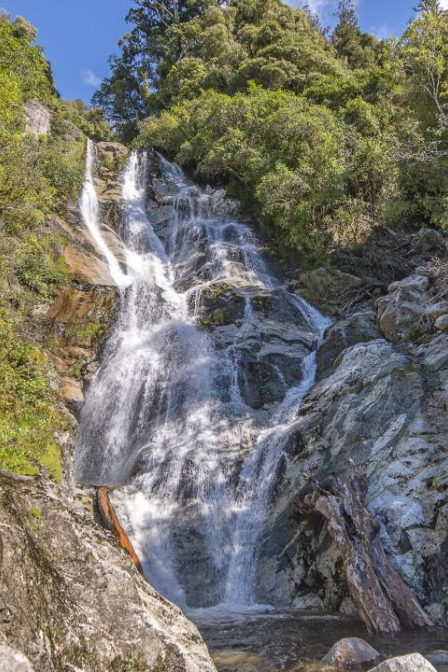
x: 381, y: 402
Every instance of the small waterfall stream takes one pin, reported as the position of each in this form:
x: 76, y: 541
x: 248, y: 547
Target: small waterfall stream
x: 199, y: 388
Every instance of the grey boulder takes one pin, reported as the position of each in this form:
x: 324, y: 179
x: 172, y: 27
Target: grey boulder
x: 413, y: 662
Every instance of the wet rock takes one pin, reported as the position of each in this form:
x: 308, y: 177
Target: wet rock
x: 220, y: 305
x: 38, y: 118
x: 438, y: 657
x: 13, y: 661
x: 351, y: 654
x: 384, y: 410
x: 87, y: 594
x: 359, y: 328
x: 413, y: 662
x: 442, y: 323
x: 261, y: 382
x: 311, y: 601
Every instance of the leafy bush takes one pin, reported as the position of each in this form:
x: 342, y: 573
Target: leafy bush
x: 28, y: 416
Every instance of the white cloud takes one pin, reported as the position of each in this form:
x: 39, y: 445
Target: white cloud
x: 315, y: 5
x: 90, y: 78
x: 382, y: 32
x: 444, y: 4
x: 323, y: 8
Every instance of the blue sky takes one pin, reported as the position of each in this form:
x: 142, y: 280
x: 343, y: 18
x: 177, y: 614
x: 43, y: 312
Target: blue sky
x: 79, y: 35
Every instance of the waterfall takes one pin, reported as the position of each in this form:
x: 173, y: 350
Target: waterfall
x: 90, y: 210
x: 199, y: 388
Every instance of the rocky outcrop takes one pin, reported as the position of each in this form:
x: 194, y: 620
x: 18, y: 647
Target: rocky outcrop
x: 383, y: 406
x: 72, y: 599
x: 38, y: 118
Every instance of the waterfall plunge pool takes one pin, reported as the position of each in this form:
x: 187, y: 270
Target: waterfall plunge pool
x: 271, y: 640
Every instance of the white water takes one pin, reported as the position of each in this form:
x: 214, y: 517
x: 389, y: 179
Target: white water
x: 174, y: 413
x: 90, y: 212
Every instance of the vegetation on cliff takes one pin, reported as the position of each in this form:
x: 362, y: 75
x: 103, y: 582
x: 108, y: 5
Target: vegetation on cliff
x: 322, y: 136
x: 40, y: 177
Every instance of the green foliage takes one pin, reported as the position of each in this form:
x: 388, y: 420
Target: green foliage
x: 22, y: 61
x: 40, y: 177
x: 92, y: 330
x: 35, y: 513
x: 350, y: 43
x: 90, y: 120
x: 319, y: 137
x: 28, y: 417
x: 40, y: 267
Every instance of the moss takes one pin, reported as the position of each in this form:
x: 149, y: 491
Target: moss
x: 328, y: 289
x: 218, y: 316
x: 92, y: 330
x: 114, y: 164
x: 52, y: 461
x: 28, y: 413
x: 35, y: 513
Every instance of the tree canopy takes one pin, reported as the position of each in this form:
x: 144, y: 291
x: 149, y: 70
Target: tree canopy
x: 321, y: 136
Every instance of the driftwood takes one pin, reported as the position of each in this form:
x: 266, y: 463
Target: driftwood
x: 384, y: 601
x: 110, y: 520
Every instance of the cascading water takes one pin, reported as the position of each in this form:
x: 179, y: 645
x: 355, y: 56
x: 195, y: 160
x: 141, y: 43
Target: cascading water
x: 199, y: 389
x: 89, y: 207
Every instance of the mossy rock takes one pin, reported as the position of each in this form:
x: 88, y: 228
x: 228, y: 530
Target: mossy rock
x: 329, y: 289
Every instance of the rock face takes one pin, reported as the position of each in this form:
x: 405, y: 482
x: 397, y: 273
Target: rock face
x: 414, y: 662
x: 358, y: 328
x: 404, y: 310
x: 383, y: 407
x: 71, y: 598
x: 38, y: 118
x: 351, y: 654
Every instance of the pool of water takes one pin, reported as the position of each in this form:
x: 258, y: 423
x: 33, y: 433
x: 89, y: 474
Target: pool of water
x: 267, y: 640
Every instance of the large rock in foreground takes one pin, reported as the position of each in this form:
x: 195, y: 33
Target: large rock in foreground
x: 13, y: 661
x: 351, y: 654
x: 70, y: 598
x: 414, y: 662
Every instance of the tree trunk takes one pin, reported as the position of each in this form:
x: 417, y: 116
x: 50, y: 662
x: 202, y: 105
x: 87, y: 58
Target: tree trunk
x: 384, y: 601
x: 112, y: 523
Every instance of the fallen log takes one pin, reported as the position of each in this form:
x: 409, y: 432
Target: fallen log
x: 111, y: 522
x: 384, y: 601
